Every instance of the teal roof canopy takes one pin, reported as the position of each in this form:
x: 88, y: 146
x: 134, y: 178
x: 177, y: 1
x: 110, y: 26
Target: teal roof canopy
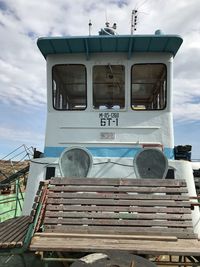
x: 115, y: 43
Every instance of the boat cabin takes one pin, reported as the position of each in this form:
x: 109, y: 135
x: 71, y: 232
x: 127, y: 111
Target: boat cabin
x: 110, y: 95
x: 109, y: 100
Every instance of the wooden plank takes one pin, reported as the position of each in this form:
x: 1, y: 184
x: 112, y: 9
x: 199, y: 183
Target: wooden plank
x: 40, y: 194
x: 121, y: 215
x: 19, y: 240
x: 11, y: 226
x: 94, y: 195
x: 113, y: 202
x: 43, y: 202
x: 14, y: 234
x: 118, y: 181
x: 133, y: 246
x: 178, y: 232
x: 16, y: 239
x: 92, y: 206
x: 124, y: 189
x: 15, y: 224
x: 173, y: 210
x: 113, y: 222
x: 18, y: 232
x: 2, y: 224
x: 106, y: 236
x: 10, y: 223
x: 89, y: 213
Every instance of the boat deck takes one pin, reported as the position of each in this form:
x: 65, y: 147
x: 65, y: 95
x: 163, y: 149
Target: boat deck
x: 134, y: 215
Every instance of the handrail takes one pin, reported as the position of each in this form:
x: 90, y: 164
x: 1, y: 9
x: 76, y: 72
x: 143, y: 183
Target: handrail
x: 16, y: 199
x: 15, y: 176
x: 13, y: 169
x: 14, y: 159
x: 27, y: 150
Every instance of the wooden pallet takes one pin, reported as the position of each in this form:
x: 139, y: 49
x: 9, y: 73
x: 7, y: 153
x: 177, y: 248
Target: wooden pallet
x: 13, y: 232
x: 89, y: 214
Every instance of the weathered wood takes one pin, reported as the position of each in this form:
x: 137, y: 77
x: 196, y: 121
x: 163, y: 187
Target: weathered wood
x: 117, y: 215
x: 173, y: 210
x: 113, y: 202
x: 13, y: 231
x: 14, y: 234
x: 181, y: 247
x: 39, y: 198
x: 118, y: 182
x: 43, y: 202
x: 94, y: 195
x: 10, y: 223
x: 124, y: 189
x: 178, y: 232
x: 16, y: 238
x: 105, y: 222
x: 114, y: 236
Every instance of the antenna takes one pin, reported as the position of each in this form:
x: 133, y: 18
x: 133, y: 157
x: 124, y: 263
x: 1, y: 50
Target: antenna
x: 134, y: 18
x: 106, y: 16
x: 90, y: 27
x: 107, y: 23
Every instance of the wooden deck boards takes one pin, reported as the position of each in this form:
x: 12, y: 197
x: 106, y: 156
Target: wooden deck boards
x: 13, y: 232
x: 132, y: 206
x: 142, y: 216
x: 185, y: 247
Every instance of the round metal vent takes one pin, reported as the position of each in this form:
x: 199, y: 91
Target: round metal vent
x: 75, y: 162
x: 150, y: 163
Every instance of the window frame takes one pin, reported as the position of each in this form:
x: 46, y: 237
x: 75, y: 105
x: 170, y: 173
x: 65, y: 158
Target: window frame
x: 86, y: 85
x: 166, y: 91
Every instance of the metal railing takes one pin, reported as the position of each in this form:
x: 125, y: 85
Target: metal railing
x: 14, y: 159
x: 13, y: 174
x: 11, y: 204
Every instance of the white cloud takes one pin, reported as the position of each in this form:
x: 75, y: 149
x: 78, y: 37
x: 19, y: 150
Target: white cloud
x: 187, y: 99
x: 20, y: 136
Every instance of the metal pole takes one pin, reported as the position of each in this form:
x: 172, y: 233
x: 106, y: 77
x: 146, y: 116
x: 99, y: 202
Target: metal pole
x: 16, y: 192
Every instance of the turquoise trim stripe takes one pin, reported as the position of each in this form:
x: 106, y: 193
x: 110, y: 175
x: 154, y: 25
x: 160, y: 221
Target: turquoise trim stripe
x: 120, y: 152
x: 112, y: 152
x: 169, y: 152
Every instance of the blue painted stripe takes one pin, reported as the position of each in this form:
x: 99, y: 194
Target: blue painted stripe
x: 169, y: 152
x: 113, y: 152
x: 120, y: 152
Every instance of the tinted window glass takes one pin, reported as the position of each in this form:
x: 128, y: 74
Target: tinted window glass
x: 148, y: 86
x: 108, y: 87
x: 69, y: 87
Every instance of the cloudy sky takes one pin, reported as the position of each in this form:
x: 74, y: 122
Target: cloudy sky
x: 22, y: 67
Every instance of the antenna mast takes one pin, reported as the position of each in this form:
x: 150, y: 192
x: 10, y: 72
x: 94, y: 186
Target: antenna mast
x: 134, y: 21
x: 90, y: 27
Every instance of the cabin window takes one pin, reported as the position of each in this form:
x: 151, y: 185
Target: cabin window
x: 69, y: 87
x: 148, y: 86
x: 108, y: 87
